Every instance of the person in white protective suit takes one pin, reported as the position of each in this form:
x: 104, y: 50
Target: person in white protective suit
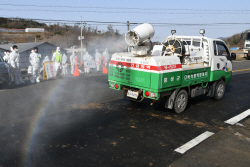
x: 6, y: 58
x: 98, y: 60
x: 64, y: 65
x: 35, y: 63
x: 86, y: 58
x: 57, y: 58
x: 46, y: 59
x: 106, y: 57
x: 15, y: 65
x: 72, y: 62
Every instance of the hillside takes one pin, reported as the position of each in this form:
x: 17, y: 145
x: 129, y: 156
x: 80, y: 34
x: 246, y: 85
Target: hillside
x: 62, y: 35
x: 236, y: 40
x: 66, y: 35
x: 19, y: 23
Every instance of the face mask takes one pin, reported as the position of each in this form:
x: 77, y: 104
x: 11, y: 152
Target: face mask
x: 16, y: 50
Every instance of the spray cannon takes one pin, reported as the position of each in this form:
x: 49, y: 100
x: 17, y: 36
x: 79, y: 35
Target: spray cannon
x: 138, y: 36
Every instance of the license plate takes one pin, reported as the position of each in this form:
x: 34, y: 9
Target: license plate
x: 132, y: 94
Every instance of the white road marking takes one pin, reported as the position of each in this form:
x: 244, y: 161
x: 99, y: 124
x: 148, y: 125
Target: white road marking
x: 238, y: 118
x: 194, y: 142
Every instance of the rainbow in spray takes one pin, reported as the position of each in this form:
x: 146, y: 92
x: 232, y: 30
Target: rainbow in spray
x: 36, y: 124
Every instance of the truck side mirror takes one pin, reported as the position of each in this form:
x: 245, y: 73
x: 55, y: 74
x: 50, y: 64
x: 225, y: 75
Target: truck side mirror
x: 233, y: 56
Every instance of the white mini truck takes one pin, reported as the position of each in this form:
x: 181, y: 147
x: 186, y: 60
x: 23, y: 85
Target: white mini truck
x: 246, y: 48
x: 182, y: 67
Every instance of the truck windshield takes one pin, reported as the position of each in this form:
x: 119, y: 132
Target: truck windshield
x: 248, y: 36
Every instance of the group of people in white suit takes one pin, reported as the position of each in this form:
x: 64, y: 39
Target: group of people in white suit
x: 12, y: 58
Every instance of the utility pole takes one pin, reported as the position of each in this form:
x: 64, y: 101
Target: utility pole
x: 81, y: 38
x: 128, y: 25
x: 128, y: 30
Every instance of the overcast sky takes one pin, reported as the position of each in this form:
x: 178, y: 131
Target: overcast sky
x: 179, y: 14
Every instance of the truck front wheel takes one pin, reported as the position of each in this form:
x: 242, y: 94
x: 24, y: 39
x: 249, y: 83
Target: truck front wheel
x: 181, y: 101
x: 219, y: 90
x: 248, y: 55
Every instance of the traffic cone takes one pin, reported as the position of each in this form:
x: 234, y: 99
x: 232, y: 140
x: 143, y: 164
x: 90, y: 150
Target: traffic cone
x: 76, y: 72
x: 104, y: 69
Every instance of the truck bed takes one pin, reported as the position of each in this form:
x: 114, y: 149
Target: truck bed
x: 193, y: 66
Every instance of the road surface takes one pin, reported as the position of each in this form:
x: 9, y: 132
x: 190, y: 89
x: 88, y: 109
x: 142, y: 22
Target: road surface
x: 79, y: 121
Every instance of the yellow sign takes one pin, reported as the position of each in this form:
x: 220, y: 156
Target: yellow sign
x: 49, y: 70
x: 44, y: 72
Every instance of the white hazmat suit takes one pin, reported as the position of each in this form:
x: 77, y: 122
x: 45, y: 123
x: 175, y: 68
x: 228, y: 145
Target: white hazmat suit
x: 98, y: 59
x: 64, y: 65
x: 72, y: 62
x: 35, y: 63
x: 106, y: 57
x: 14, y: 61
x: 57, y: 59
x: 86, y: 59
x: 6, y: 58
x: 46, y: 59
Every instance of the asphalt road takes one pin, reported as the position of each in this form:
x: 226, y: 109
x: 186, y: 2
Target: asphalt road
x: 79, y: 121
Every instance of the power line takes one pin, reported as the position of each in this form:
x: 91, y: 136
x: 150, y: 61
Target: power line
x: 115, y: 8
x: 124, y: 23
x: 124, y: 12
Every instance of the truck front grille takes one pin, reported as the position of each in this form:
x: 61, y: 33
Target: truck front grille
x: 247, y: 45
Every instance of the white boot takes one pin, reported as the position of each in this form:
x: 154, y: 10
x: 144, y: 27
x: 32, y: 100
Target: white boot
x: 38, y: 79
x: 32, y: 80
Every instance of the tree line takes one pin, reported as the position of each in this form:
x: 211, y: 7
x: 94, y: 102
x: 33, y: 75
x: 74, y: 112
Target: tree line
x: 66, y: 36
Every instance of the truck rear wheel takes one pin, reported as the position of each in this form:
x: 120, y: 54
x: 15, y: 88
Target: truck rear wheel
x: 219, y: 90
x: 181, y: 101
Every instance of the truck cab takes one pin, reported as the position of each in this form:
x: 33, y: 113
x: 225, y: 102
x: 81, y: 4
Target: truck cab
x: 182, y: 67
x: 246, y: 49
